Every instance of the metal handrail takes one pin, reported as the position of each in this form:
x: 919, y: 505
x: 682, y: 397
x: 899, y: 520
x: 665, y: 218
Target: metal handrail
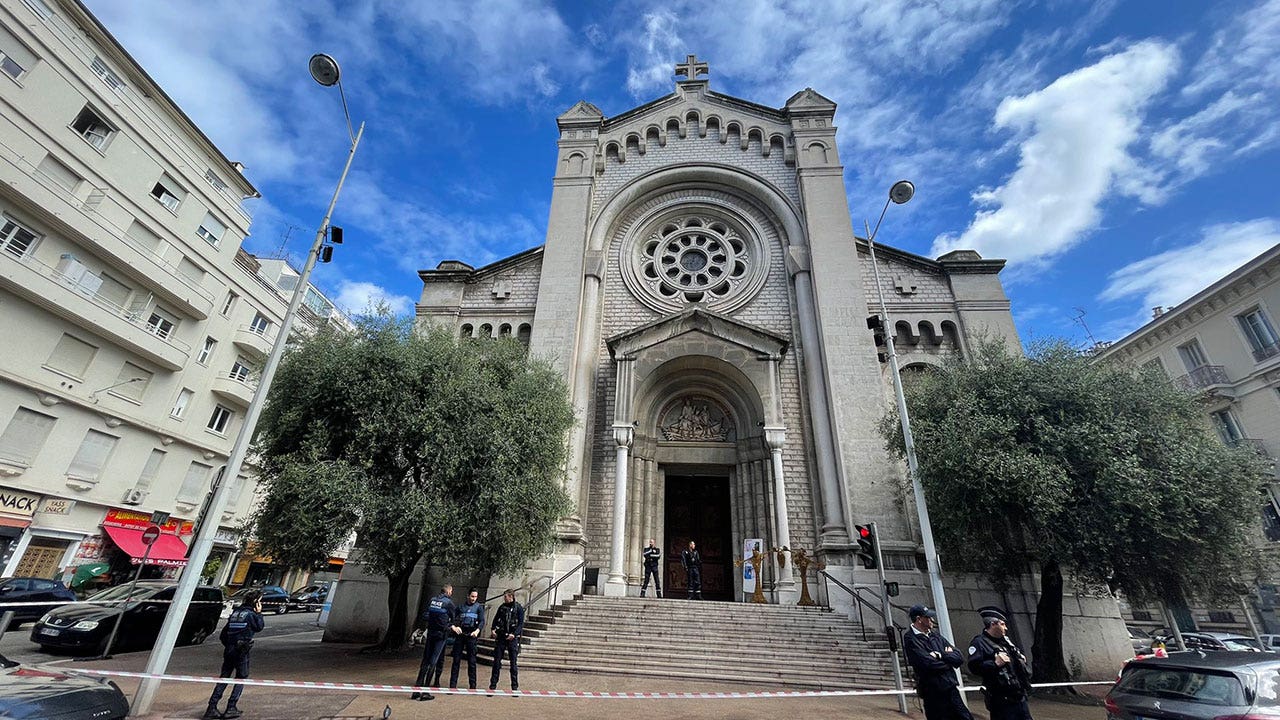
x: 859, y: 600
x: 901, y: 608
x: 556, y: 584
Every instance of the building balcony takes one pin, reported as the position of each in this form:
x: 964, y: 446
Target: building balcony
x: 254, y: 342
x: 234, y: 389
x: 44, y: 286
x: 1205, y: 377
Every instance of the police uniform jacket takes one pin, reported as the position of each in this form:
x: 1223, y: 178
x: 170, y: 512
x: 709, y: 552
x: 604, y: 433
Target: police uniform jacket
x: 1010, y: 682
x: 440, y: 614
x: 509, y: 620
x: 933, y: 674
x: 240, y: 628
x: 651, y: 556
x: 691, y: 559
x: 470, y: 617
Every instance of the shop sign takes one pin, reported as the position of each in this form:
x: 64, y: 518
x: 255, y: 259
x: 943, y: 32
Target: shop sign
x: 135, y: 520
x: 223, y: 536
x: 18, y: 503
x: 57, y: 506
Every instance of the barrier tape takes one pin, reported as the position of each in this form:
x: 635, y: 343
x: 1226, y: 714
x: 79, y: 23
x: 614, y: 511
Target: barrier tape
x: 63, y: 603
x: 312, y: 685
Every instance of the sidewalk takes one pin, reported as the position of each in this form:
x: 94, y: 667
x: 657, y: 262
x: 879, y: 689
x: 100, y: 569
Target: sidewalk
x: 303, y: 657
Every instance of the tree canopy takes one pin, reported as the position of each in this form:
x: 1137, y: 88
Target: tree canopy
x: 423, y: 444
x: 1054, y: 460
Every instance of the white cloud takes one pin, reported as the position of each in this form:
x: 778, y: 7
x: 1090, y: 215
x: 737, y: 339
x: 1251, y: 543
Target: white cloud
x: 1173, y: 276
x: 1074, y: 150
x: 356, y: 298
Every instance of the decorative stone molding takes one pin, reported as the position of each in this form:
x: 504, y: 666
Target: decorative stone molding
x: 696, y: 419
x: 112, y: 421
x: 49, y: 400
x: 166, y: 440
x: 81, y: 484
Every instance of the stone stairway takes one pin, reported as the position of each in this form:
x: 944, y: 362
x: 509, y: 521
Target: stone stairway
x: 769, y: 646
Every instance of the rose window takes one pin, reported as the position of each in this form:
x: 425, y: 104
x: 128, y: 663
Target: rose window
x: 694, y: 260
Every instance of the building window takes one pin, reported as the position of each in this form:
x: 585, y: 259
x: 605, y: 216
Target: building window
x: 38, y: 7
x: 220, y: 419
x: 236, y: 490
x: 60, y: 174
x: 161, y: 324
x: 211, y: 230
x: 151, y: 470
x: 15, y: 58
x: 260, y: 324
x: 466, y: 330
x: 25, y: 435
x: 169, y: 193
x: 524, y: 333
x: 1221, y: 616
x: 1155, y: 365
x: 113, y: 292
x: 206, y: 351
x: 195, y: 483
x: 16, y: 239
x: 132, y: 382
x: 144, y: 236
x: 92, y: 455
x: 215, y: 181
x: 1270, y: 520
x: 100, y: 69
x: 240, y: 370
x: 93, y: 128
x: 1228, y: 428
x: 1193, y: 357
x: 71, y: 356
x: 229, y: 303
x: 1262, y: 336
x: 180, y: 405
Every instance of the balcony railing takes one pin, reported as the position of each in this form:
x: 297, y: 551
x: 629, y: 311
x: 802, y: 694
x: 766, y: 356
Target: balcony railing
x: 1203, y: 377
x: 1266, y: 351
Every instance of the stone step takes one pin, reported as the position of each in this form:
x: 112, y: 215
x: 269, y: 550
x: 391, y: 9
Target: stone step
x: 726, y: 655
x: 676, y: 633
x: 762, y: 677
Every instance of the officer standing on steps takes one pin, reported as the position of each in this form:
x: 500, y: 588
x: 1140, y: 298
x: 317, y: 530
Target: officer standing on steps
x: 439, y: 618
x: 1005, y: 676
x: 237, y: 641
x: 691, y: 559
x: 470, y: 620
x: 652, y: 555
x: 934, y: 661
x: 508, y: 626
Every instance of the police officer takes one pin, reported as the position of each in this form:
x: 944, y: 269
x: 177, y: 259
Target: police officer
x: 691, y: 559
x: 651, y: 556
x: 237, y: 641
x: 1002, y: 666
x: 470, y: 620
x: 508, y: 626
x: 934, y: 661
x: 439, y: 618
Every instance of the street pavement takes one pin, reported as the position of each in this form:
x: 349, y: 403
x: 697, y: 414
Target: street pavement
x: 289, y: 650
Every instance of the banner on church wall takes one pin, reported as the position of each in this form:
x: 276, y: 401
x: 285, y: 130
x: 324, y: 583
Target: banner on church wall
x: 749, y: 579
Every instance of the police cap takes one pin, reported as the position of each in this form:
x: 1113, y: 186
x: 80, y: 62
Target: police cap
x: 991, y: 612
x: 919, y: 611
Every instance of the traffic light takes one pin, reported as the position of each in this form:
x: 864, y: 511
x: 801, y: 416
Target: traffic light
x: 867, y: 546
x: 876, y: 325
x: 326, y: 253
x: 335, y: 234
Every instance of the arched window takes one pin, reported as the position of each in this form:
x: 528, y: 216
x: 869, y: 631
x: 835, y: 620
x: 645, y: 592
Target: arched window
x: 504, y: 330
x: 466, y: 330
x: 486, y: 331
x: 524, y: 333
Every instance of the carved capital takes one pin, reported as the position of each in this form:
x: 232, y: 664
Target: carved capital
x: 775, y: 436
x: 624, y: 434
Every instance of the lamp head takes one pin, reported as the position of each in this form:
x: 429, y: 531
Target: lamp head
x: 902, y: 191
x: 324, y: 69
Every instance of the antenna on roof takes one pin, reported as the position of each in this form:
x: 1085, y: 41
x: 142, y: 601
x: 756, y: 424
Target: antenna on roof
x: 1079, y: 320
x: 284, y: 239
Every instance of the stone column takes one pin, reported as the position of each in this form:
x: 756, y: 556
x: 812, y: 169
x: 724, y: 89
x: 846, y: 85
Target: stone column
x: 775, y: 437
x: 623, y: 437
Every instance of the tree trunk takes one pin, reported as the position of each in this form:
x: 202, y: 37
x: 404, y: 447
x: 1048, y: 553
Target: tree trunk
x: 397, y: 635
x: 1048, y: 664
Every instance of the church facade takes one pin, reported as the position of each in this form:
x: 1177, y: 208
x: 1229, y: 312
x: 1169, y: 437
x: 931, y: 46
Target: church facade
x: 703, y: 293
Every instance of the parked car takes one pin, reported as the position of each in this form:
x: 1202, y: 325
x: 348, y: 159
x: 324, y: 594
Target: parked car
x: 309, y: 598
x: 1271, y: 643
x: 36, y: 691
x: 274, y: 598
x: 25, y: 590
x: 1140, y: 640
x: 1208, y: 641
x: 87, y: 625
x: 1195, y: 686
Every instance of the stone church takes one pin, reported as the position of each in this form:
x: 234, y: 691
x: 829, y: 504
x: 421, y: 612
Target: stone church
x: 703, y: 292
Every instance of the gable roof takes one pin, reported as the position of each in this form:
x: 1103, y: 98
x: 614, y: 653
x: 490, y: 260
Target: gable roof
x: 696, y: 318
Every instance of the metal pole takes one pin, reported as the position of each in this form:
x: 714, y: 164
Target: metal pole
x: 133, y: 584
x: 202, y: 544
x: 887, y: 610
x: 908, y: 441
x: 5, y: 621
x: 1173, y: 626
x: 1253, y: 627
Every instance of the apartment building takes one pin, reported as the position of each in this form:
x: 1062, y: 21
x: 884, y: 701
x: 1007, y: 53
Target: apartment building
x: 1222, y: 342
x: 133, y: 323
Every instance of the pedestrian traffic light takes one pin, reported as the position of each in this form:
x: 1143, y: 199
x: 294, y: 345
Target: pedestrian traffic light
x: 326, y: 253
x: 335, y: 234
x: 876, y: 325
x: 867, y: 546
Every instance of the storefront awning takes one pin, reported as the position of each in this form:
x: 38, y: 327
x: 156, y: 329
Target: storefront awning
x: 168, y: 550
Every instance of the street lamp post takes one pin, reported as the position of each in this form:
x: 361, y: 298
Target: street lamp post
x: 901, y: 192
x: 325, y: 71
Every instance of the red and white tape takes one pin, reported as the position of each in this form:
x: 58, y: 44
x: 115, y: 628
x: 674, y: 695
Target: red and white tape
x: 310, y: 685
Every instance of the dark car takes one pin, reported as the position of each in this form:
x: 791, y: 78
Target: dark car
x: 311, y: 597
x: 87, y: 625
x: 1197, y: 685
x: 35, y: 691
x: 32, y: 590
x: 1140, y: 640
x: 1208, y: 641
x: 274, y: 598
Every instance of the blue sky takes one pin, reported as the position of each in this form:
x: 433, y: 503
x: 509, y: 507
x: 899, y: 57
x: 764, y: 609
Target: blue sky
x: 1120, y: 155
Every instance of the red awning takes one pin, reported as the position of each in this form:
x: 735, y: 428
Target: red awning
x: 168, y: 550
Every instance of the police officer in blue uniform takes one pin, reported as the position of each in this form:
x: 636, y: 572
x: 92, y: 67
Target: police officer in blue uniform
x: 440, y: 617
x: 934, y: 661
x: 470, y: 620
x: 237, y: 641
x: 508, y: 626
x: 691, y: 559
x: 651, y: 554
x: 1006, y: 679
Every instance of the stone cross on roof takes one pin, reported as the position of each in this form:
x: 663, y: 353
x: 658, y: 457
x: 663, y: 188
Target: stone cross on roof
x: 691, y: 68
